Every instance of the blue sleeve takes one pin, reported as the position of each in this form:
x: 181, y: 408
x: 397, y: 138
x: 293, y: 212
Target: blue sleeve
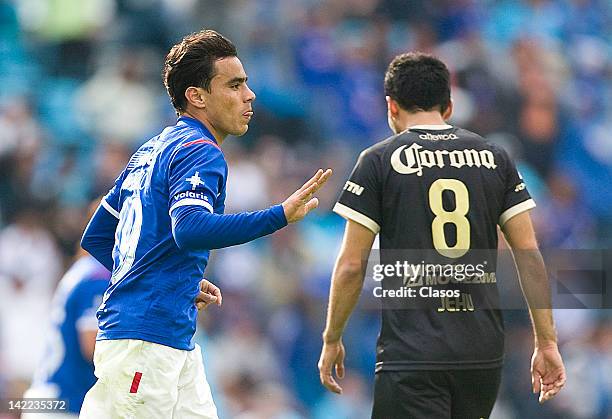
x: 197, y: 193
x: 194, y: 228
x: 99, y: 236
x: 196, y: 176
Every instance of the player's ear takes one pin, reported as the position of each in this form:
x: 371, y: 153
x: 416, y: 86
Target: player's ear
x: 195, y: 97
x: 392, y: 107
x: 448, y: 111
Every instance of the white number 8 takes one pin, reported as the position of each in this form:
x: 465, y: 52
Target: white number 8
x: 456, y: 217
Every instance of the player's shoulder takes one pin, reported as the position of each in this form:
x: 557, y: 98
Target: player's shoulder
x: 478, y: 140
x: 187, y: 143
x: 377, y: 150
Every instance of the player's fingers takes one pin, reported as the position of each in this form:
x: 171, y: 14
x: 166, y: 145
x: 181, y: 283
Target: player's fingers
x: 556, y: 379
x: 340, y: 369
x: 329, y: 383
x: 324, y: 177
x: 312, y: 180
x: 547, y: 395
x: 307, y: 193
x: 214, y: 290
x: 206, y: 298
x: 312, y: 204
x: 560, y: 382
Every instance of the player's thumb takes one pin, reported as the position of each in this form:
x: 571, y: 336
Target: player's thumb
x: 312, y: 204
x: 535, y: 382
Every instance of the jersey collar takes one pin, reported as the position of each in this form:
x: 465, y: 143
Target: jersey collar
x: 192, y: 122
x: 431, y: 127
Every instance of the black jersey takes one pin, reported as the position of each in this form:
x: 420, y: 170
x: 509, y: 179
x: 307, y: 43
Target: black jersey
x: 436, y: 195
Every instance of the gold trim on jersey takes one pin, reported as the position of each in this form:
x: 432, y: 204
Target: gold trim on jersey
x: 515, y: 210
x: 351, y: 214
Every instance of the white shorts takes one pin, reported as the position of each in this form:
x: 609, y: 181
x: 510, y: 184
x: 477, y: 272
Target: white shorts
x: 138, y: 379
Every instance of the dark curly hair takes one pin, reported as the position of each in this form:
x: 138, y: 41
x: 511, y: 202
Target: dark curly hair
x: 418, y: 81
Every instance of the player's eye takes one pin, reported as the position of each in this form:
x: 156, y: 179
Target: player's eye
x: 235, y: 86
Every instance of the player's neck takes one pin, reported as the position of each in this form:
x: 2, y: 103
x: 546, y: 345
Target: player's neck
x: 195, y: 115
x: 406, y: 120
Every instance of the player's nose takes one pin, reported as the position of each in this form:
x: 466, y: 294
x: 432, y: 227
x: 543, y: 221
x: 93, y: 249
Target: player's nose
x: 250, y: 95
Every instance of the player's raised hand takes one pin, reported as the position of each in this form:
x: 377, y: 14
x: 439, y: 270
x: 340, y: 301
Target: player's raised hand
x: 332, y: 357
x: 209, y: 294
x: 301, y: 202
x: 547, y: 372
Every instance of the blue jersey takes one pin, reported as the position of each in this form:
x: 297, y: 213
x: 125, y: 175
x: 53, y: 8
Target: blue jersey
x: 154, y: 283
x: 64, y: 372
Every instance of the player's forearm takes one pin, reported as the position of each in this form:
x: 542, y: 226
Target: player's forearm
x: 99, y: 237
x: 346, y: 285
x: 194, y: 228
x: 536, y: 289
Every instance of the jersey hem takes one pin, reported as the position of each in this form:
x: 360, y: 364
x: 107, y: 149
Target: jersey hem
x: 161, y: 340
x: 351, y: 214
x: 516, y: 210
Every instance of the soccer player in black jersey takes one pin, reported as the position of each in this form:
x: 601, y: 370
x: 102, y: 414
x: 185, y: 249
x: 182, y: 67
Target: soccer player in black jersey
x: 437, y: 193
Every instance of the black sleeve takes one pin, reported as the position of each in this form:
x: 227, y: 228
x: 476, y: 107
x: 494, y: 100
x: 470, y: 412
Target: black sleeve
x: 360, y: 200
x: 516, y: 197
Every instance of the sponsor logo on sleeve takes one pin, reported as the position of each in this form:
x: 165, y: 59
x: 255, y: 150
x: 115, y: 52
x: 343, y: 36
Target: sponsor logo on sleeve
x: 190, y: 195
x: 195, y: 180
x: 353, y: 188
x: 521, y: 186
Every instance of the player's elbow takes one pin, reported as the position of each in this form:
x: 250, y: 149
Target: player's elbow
x: 186, y: 238
x: 350, y: 269
x: 182, y: 238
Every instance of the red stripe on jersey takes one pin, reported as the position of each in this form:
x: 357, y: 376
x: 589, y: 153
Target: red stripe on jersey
x: 135, y: 382
x: 201, y: 141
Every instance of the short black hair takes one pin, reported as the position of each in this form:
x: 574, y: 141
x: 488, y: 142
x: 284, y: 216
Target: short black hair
x: 418, y: 82
x: 191, y: 63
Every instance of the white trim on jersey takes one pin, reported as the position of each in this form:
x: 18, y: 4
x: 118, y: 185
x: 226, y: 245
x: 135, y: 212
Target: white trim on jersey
x: 431, y: 127
x: 191, y: 201
x: 110, y: 209
x: 515, y: 210
x: 351, y: 214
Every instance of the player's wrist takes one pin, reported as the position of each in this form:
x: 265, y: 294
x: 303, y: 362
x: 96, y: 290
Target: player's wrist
x: 331, y: 337
x: 544, y: 344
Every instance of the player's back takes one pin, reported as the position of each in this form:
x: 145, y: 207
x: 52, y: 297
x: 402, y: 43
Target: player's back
x: 154, y: 282
x: 442, y: 190
x: 436, y: 195
x: 64, y: 372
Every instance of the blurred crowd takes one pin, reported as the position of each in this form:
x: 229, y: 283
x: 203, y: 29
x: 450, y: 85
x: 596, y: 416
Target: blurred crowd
x: 80, y: 89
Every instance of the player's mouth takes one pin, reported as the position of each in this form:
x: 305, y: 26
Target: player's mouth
x: 248, y: 114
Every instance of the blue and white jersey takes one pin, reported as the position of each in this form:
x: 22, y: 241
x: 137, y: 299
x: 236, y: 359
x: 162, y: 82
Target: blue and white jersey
x: 154, y: 282
x: 64, y: 372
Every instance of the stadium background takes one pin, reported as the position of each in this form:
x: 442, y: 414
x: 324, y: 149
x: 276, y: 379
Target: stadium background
x: 80, y: 89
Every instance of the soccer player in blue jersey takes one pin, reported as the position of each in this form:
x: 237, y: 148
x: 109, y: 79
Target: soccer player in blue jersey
x: 155, y: 229
x: 66, y: 371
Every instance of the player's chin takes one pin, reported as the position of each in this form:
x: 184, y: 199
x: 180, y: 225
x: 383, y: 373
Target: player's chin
x: 240, y: 130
